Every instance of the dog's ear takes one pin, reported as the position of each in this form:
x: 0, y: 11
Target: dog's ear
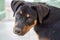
x: 42, y: 11
x: 16, y: 4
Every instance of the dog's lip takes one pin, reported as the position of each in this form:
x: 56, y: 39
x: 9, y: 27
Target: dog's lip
x: 19, y: 34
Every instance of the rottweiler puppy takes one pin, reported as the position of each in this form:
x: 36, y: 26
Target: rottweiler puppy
x: 43, y: 17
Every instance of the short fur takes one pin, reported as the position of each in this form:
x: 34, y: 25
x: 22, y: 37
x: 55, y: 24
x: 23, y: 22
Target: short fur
x: 48, y: 19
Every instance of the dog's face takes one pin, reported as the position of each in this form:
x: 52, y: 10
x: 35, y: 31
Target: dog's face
x: 27, y: 15
x: 25, y: 19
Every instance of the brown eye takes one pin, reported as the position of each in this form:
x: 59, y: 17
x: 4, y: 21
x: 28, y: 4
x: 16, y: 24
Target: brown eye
x: 21, y: 12
x: 27, y: 15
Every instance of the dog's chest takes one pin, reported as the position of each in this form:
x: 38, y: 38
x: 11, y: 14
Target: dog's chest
x: 51, y: 31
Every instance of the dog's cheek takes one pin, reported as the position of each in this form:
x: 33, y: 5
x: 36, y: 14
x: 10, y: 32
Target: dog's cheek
x: 27, y: 28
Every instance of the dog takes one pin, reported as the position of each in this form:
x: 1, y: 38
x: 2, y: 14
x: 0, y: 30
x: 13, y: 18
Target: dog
x: 43, y: 17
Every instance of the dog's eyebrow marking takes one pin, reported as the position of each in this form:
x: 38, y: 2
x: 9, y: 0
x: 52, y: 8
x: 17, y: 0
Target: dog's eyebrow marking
x: 27, y: 15
x: 20, y: 11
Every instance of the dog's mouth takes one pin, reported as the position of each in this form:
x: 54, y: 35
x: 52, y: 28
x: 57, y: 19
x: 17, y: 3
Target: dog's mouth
x: 25, y: 29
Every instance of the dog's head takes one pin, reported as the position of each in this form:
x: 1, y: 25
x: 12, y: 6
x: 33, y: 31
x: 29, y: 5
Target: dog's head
x: 26, y: 16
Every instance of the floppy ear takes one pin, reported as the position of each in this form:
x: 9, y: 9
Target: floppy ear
x: 42, y: 11
x: 16, y: 4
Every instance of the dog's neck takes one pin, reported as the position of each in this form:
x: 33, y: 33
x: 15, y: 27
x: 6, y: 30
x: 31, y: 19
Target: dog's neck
x: 41, y: 29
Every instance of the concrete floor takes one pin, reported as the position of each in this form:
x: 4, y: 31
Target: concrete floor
x: 6, y: 32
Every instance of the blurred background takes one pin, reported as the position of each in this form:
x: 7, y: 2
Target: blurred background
x: 7, y: 20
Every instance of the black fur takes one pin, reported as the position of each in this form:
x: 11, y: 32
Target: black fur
x: 49, y: 27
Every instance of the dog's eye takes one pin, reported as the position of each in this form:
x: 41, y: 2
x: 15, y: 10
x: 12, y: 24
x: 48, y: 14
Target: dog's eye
x: 27, y: 15
x: 21, y: 12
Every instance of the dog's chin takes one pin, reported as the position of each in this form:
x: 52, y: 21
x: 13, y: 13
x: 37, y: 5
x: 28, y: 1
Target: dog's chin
x: 20, y: 34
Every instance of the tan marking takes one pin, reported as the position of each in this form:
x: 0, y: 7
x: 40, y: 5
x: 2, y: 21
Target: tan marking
x: 44, y: 38
x: 21, y: 12
x: 35, y: 22
x: 14, y: 27
x: 27, y: 15
x: 26, y: 29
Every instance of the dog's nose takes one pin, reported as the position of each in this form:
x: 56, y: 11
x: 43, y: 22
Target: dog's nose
x: 17, y: 31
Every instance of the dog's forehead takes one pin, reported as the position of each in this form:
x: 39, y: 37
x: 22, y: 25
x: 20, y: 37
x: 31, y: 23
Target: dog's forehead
x: 21, y: 9
x: 28, y: 12
x: 25, y: 10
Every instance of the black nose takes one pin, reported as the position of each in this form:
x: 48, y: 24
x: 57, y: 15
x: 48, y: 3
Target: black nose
x: 17, y: 31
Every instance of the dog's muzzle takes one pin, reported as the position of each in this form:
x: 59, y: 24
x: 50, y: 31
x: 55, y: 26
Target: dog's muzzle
x: 23, y: 29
